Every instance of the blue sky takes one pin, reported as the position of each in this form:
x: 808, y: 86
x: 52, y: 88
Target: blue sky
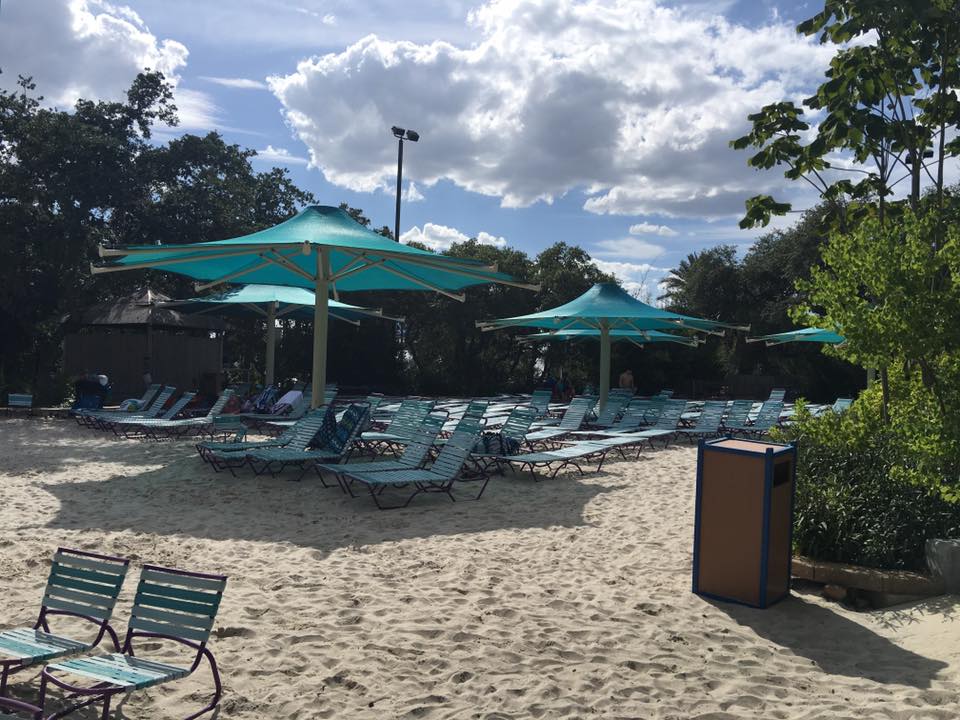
x: 601, y: 123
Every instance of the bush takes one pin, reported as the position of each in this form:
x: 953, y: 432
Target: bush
x: 865, y: 495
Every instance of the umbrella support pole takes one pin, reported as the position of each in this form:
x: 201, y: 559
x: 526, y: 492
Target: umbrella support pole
x: 320, y: 317
x: 271, y: 341
x: 604, y: 363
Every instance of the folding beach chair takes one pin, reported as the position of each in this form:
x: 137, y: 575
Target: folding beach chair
x: 439, y: 478
x: 414, y: 455
x: 169, y: 605
x: 82, y: 585
x: 332, y: 449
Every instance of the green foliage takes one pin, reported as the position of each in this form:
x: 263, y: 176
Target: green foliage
x: 864, y: 493
x: 888, y: 102
x: 759, y: 291
x: 72, y: 180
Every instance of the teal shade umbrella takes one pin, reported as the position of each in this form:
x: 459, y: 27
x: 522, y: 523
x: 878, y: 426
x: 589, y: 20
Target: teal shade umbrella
x: 272, y: 303
x: 321, y: 248
x: 810, y: 334
x: 636, y: 337
x: 607, y: 307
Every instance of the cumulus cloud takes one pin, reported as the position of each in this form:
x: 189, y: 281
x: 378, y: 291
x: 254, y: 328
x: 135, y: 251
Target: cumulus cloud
x: 81, y: 48
x: 645, y: 228
x: 631, y: 101
x: 279, y: 155
x: 630, y: 248
x: 441, y: 237
x: 639, y: 279
x: 239, y: 83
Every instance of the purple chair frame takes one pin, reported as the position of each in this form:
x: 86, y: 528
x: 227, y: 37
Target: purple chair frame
x: 105, y: 691
x: 14, y: 665
x: 18, y: 706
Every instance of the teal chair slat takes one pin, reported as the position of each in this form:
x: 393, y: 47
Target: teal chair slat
x: 457, y: 449
x: 62, y: 593
x: 96, y: 577
x: 133, y: 673
x: 149, y: 574
x: 27, y: 644
x: 146, y: 597
x: 197, y: 623
x: 19, y: 400
x: 177, y: 629
x: 53, y: 603
x: 518, y: 423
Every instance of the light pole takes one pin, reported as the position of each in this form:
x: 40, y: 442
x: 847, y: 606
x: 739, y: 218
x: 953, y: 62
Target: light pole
x: 412, y: 136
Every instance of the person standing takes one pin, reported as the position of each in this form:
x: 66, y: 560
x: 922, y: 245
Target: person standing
x: 626, y: 380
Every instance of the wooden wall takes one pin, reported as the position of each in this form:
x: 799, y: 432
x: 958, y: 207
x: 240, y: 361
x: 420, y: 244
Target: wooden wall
x: 186, y: 361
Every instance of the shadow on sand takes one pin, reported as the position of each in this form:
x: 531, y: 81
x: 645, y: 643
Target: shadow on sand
x: 185, y: 497
x: 838, y: 645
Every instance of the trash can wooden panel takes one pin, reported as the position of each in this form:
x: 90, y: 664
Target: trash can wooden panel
x: 744, y: 518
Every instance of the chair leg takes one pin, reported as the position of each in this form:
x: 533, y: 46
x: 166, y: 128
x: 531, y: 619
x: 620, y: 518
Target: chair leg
x: 217, y: 685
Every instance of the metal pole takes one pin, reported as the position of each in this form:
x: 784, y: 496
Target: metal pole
x: 320, y: 307
x: 396, y: 224
x: 604, y: 363
x: 271, y: 340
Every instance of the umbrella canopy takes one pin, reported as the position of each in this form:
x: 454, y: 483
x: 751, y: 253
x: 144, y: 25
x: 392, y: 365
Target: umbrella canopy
x: 271, y: 302
x: 811, y: 334
x: 607, y: 307
x: 636, y: 337
x: 321, y: 248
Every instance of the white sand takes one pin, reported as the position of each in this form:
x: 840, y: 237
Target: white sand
x: 567, y: 598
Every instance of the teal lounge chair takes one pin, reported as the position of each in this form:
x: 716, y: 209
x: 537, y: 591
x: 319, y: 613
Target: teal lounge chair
x: 175, y: 428
x: 572, y: 419
x: 439, y: 478
x: 169, y: 605
x: 414, y: 456
x: 80, y: 414
x: 133, y: 427
x: 574, y: 454
x: 540, y: 401
x: 664, y: 429
x: 708, y: 424
x: 233, y: 455
x: 81, y: 585
x: 405, y: 423
x: 767, y: 418
x: 333, y: 449
x: 737, y: 416
x: 103, y: 421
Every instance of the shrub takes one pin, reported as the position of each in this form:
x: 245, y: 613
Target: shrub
x: 865, y: 494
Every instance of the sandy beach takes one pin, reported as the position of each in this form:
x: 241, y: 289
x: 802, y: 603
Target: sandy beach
x: 565, y: 598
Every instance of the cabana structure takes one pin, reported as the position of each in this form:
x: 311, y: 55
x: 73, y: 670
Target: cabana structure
x: 272, y: 303
x: 127, y: 337
x: 321, y: 248
x: 604, y: 308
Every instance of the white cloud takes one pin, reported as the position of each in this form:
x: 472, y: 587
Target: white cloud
x: 279, y: 155
x: 239, y: 83
x: 630, y: 100
x: 630, y: 248
x: 645, y: 228
x: 412, y: 193
x: 441, y: 237
x: 80, y: 48
x: 196, y: 110
x: 639, y: 279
